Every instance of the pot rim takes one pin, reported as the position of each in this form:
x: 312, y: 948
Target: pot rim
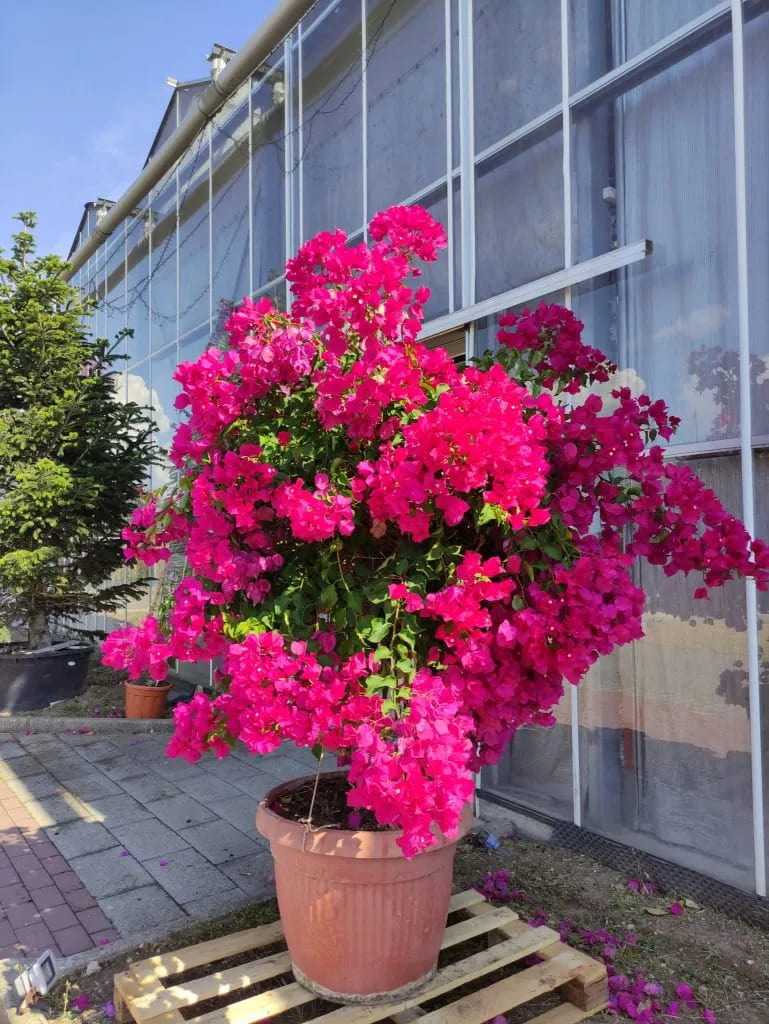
x: 133, y: 685
x: 65, y: 652
x: 338, y: 841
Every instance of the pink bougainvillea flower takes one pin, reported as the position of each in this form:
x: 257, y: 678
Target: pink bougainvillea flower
x: 400, y: 561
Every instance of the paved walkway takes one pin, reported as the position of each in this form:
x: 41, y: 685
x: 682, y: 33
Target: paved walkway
x: 103, y: 836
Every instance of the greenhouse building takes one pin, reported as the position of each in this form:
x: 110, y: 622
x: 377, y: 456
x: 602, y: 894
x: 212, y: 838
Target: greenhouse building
x: 610, y: 155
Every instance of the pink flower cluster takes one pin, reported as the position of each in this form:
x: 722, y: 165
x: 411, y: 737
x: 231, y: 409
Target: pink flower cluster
x: 396, y: 559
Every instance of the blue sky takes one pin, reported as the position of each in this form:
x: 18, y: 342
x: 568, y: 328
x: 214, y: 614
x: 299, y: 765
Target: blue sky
x: 83, y: 88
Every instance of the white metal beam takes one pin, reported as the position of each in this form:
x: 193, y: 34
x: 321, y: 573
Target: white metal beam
x: 561, y: 279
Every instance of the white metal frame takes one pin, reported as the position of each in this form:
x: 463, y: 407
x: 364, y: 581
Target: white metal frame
x: 746, y: 446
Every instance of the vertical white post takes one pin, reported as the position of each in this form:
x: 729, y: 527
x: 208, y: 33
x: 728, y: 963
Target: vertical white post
x: 251, y: 185
x: 746, y: 448
x: 209, y: 131
x: 467, y: 149
x: 364, y: 113
x: 449, y: 155
x: 299, y: 137
x: 288, y: 152
x: 576, y: 793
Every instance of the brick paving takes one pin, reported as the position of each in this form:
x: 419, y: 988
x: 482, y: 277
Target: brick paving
x: 103, y: 836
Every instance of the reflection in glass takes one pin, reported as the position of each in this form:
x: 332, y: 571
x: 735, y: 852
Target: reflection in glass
x: 407, y: 59
x: 193, y: 236
x: 519, y: 216
x: 163, y: 240
x: 332, y: 171
x: 268, y: 164
x: 757, y: 142
x: 436, y: 275
x: 665, y: 748
x: 667, y: 149
x: 517, y: 64
x: 194, y: 343
x: 137, y: 295
x: 535, y: 770
x: 115, y: 300
x: 164, y: 391
x: 229, y: 204
x: 606, y: 33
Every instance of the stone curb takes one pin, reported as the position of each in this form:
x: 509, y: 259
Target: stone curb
x: 21, y: 724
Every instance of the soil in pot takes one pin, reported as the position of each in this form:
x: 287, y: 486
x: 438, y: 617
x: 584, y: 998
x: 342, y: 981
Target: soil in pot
x: 362, y: 923
x: 143, y: 701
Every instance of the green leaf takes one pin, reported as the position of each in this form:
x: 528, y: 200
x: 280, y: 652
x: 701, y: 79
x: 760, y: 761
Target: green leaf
x: 328, y: 596
x: 382, y: 652
x: 379, y: 630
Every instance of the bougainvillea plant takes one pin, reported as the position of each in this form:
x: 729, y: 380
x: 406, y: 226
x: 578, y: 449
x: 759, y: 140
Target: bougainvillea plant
x: 398, y: 560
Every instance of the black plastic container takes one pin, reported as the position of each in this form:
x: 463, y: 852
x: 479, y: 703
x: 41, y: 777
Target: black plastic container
x: 30, y: 680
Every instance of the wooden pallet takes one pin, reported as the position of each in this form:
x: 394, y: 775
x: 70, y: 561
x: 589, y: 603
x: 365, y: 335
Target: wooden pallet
x: 148, y: 994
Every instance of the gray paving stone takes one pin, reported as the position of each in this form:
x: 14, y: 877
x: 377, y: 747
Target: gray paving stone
x: 176, y: 768
x: 113, y: 811
x: 92, y: 786
x: 254, y: 874
x: 57, y: 810
x: 44, y: 746
x: 181, y: 811
x: 187, y: 875
x: 140, y: 910
x: 124, y: 766
x: 19, y: 766
x: 207, y: 789
x: 80, y: 837
x: 99, y: 750
x: 218, y: 905
x: 231, y: 769
x: 257, y: 786
x: 108, y: 872
x: 10, y: 748
x: 150, y: 838
x: 35, y: 786
x: 149, y: 787
x: 219, y: 841
x: 240, y: 812
x: 150, y: 749
x: 64, y: 768
x: 285, y: 769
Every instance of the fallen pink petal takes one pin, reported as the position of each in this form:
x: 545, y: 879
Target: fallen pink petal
x: 81, y: 1002
x: 675, y: 909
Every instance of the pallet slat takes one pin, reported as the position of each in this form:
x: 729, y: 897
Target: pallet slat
x: 261, y: 1007
x: 151, y: 1004
x: 142, y: 993
x: 507, y: 994
x: 447, y: 978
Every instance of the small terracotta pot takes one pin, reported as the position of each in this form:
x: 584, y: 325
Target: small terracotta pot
x: 362, y: 923
x: 145, y: 701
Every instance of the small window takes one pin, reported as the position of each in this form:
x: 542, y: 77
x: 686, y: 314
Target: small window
x: 453, y: 342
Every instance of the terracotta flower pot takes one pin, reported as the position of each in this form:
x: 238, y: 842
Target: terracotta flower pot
x: 145, y: 701
x: 361, y: 922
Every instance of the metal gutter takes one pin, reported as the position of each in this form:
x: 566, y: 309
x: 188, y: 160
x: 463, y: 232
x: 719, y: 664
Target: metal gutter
x: 261, y: 44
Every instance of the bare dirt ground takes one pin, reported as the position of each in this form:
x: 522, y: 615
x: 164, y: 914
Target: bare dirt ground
x: 723, y: 960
